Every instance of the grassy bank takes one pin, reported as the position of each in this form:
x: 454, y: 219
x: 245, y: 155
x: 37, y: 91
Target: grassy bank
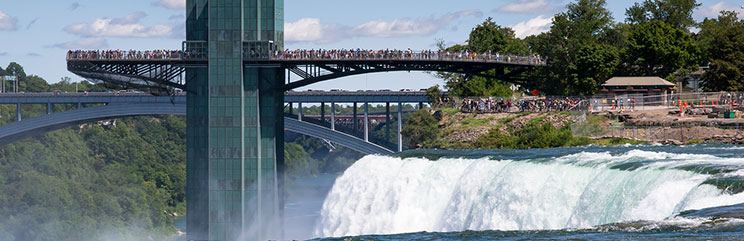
x: 451, y: 129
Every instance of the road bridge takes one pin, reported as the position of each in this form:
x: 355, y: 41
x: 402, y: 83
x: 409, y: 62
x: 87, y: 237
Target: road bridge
x: 132, y: 103
x: 39, y: 125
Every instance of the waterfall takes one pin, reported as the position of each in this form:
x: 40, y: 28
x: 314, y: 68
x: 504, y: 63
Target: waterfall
x: 388, y: 195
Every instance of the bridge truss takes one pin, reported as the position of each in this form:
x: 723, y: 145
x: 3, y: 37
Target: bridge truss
x: 164, y: 75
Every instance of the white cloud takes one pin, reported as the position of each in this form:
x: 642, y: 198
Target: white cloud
x: 128, y: 26
x: 84, y: 43
x: 407, y: 27
x: 312, y: 30
x: 7, y: 22
x: 171, y: 4
x: 533, y: 26
x: 528, y: 6
x: 714, y: 10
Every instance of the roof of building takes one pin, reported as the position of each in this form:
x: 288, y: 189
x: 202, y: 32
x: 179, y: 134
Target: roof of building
x: 637, y: 81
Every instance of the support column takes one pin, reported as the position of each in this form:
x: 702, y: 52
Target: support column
x: 421, y: 105
x: 366, y: 121
x: 322, y: 112
x: 299, y: 111
x: 19, y: 112
x: 354, y: 116
x: 290, y: 108
x: 387, y: 121
x: 49, y: 108
x: 80, y: 105
x: 400, y: 127
x: 333, y: 116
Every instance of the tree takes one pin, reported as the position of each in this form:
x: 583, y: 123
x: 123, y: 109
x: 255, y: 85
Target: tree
x: 487, y: 36
x: 33, y: 83
x: 584, y: 24
x: 16, y: 70
x: 597, y: 64
x: 676, y: 13
x: 434, y: 94
x: 420, y: 129
x: 658, y: 49
x: 723, y: 39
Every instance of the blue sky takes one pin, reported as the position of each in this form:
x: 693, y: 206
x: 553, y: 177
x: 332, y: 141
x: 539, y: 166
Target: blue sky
x: 37, y: 33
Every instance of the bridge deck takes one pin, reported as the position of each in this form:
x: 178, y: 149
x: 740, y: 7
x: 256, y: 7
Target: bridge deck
x: 290, y: 96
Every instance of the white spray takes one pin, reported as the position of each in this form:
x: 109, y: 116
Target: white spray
x: 387, y: 195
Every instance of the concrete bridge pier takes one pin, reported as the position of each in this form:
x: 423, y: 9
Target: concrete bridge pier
x: 18, y: 112
x: 354, y: 117
x: 290, y: 108
x: 387, y: 120
x: 49, y: 109
x: 400, y: 126
x: 333, y: 116
x: 299, y: 111
x: 322, y: 112
x: 366, y: 121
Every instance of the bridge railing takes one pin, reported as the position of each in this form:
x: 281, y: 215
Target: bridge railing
x: 316, y: 55
x: 415, y: 55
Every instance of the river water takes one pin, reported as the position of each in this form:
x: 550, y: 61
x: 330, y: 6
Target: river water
x: 594, y: 192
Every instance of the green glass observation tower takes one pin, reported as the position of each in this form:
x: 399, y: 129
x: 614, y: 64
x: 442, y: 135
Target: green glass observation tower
x: 235, y: 134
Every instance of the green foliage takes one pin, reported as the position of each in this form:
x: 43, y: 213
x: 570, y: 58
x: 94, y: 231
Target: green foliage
x: 434, y: 94
x: 16, y: 70
x: 450, y: 111
x: 532, y: 135
x: 488, y: 36
x: 580, y: 30
x: 420, y: 129
x: 694, y: 141
x: 723, y: 39
x: 658, y: 49
x: 298, y: 163
x: 676, y: 13
x: 69, y: 185
x: 597, y: 63
x: 616, y: 141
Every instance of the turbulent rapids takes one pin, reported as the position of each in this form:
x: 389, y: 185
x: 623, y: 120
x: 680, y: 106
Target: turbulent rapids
x: 528, y: 190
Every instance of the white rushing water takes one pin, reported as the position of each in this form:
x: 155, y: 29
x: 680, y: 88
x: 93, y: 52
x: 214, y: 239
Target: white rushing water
x: 387, y: 195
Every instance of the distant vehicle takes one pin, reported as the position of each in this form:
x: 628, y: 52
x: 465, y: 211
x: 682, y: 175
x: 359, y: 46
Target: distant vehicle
x: 423, y: 90
x: 406, y: 90
x: 385, y: 90
x: 337, y: 90
x: 360, y: 91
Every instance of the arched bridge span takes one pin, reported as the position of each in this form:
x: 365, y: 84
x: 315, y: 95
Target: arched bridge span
x: 39, y: 125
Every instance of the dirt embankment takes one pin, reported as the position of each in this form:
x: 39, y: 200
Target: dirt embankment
x: 659, y: 126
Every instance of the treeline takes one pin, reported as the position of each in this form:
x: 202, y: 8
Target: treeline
x: 585, y: 46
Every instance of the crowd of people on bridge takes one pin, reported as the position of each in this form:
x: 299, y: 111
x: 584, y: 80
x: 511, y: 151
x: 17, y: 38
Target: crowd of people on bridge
x: 495, y: 105
x: 321, y: 54
x: 124, y: 55
x: 397, y: 54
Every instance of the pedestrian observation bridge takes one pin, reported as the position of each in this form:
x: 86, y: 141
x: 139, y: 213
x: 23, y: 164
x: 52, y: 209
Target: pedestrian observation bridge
x: 94, y: 106
x: 163, y: 69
